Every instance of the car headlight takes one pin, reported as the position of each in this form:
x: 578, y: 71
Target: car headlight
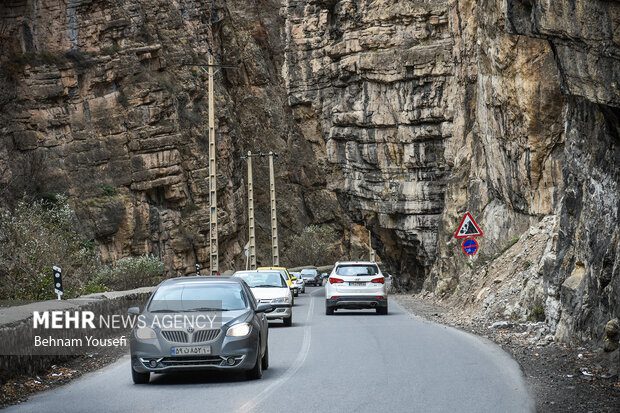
x: 145, y: 333
x: 239, y: 330
x: 280, y: 300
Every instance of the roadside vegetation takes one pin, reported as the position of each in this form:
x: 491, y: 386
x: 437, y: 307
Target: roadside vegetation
x: 315, y: 245
x: 36, y: 235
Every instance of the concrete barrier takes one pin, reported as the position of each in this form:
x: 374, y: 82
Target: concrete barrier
x: 16, y: 327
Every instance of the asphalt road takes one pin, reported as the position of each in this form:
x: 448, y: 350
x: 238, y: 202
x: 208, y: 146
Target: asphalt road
x: 354, y: 361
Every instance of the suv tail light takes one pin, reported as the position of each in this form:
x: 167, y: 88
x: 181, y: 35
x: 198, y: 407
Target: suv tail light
x: 380, y: 280
x: 334, y: 280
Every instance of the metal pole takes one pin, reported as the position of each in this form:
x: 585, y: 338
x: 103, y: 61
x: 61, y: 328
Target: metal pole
x: 372, y: 251
x: 213, y: 239
x: 252, y: 238
x: 274, y: 217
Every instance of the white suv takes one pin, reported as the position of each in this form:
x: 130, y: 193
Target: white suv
x: 355, y: 285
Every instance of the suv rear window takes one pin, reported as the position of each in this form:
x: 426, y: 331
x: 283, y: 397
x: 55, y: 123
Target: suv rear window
x: 357, y: 270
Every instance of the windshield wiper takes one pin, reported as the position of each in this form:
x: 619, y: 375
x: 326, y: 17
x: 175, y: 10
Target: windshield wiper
x: 162, y: 311
x: 265, y: 286
x: 207, y: 309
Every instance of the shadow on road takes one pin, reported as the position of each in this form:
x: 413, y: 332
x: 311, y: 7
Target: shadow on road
x: 196, y: 378
x: 204, y: 377
x: 360, y: 313
x: 281, y: 325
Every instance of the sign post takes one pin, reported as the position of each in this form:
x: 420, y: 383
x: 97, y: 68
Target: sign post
x: 246, y: 252
x: 58, y: 289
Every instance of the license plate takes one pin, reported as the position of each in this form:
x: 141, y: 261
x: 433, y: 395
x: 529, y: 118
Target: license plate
x: 357, y: 284
x: 190, y: 351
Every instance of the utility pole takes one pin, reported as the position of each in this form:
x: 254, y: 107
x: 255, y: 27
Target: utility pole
x: 213, y: 239
x: 372, y: 251
x: 275, y: 255
x: 251, y: 223
x: 213, y: 229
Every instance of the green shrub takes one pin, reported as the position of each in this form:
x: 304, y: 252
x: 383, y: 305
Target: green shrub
x: 108, y: 190
x: 537, y: 313
x: 36, y: 236
x: 131, y: 272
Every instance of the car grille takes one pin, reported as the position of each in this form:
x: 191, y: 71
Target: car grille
x: 175, y: 336
x: 201, y: 336
x: 191, y: 361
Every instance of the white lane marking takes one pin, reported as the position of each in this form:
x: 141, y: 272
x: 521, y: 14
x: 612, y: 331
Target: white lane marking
x: 290, y: 372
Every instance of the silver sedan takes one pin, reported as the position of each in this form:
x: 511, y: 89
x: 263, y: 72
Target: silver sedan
x: 200, y: 323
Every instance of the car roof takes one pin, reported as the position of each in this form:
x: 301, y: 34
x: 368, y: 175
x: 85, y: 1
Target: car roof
x: 203, y: 279
x: 355, y: 263
x: 262, y: 271
x: 271, y: 268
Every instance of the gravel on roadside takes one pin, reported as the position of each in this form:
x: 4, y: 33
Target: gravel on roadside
x: 17, y: 389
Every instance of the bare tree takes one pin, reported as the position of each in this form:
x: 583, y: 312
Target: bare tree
x: 316, y: 245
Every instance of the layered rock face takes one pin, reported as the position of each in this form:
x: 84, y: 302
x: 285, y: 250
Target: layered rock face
x: 372, y: 77
x: 394, y: 115
x: 508, y: 109
x: 107, y: 101
x: 536, y: 155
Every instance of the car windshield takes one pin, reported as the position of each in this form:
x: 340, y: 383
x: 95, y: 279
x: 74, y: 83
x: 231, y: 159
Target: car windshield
x: 357, y: 270
x: 309, y: 273
x: 262, y: 279
x: 198, y: 296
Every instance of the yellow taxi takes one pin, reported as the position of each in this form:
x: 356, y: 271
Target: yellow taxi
x: 287, y: 276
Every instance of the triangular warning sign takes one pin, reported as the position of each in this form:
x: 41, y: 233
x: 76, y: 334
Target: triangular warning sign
x: 468, y: 228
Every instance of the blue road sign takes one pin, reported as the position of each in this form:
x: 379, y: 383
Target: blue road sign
x: 470, y: 246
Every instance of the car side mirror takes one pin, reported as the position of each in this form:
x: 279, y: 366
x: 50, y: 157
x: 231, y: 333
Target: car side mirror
x: 133, y: 310
x: 264, y: 308
x: 294, y: 278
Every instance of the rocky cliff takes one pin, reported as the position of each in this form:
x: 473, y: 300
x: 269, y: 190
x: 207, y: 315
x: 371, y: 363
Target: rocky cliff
x: 398, y: 116
x: 536, y: 153
x: 107, y: 101
x: 374, y: 78
x: 508, y: 109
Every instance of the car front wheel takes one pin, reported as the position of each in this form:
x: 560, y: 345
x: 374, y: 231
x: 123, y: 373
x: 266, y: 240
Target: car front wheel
x: 265, y: 360
x: 257, y: 371
x: 140, y: 378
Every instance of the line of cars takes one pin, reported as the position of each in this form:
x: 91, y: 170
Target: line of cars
x: 221, y: 323
x: 211, y: 323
